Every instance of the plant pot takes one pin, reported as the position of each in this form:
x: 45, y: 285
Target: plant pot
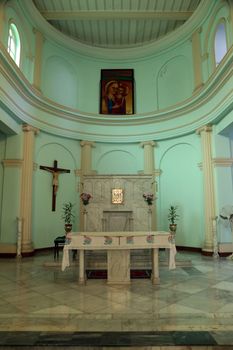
x: 85, y: 202
x: 68, y: 228
x: 172, y: 228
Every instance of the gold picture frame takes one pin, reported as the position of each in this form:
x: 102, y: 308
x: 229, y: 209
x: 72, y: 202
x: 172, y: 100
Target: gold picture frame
x: 117, y: 196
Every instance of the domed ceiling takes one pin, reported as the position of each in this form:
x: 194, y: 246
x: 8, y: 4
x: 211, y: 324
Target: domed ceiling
x: 116, y: 23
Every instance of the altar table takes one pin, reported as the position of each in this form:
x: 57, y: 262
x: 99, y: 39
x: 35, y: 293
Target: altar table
x: 118, y: 246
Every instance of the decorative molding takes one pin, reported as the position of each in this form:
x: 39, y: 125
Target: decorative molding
x: 72, y: 123
x: 157, y: 172
x: 206, y: 128
x: 148, y: 143
x: 222, y: 162
x: 17, y: 163
x: 7, y: 248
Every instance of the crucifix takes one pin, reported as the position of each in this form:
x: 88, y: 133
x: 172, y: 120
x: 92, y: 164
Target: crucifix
x: 55, y: 172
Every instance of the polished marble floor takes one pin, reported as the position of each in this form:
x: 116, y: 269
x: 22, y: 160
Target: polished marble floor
x: 194, y: 301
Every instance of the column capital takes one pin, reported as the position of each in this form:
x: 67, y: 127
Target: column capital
x: 87, y: 143
x: 205, y: 128
x: 28, y: 128
x: 148, y: 143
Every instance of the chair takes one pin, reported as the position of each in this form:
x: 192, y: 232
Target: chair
x: 58, y: 242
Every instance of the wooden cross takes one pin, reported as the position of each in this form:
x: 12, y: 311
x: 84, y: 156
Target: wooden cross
x: 55, y: 172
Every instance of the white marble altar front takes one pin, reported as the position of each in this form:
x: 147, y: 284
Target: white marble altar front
x: 118, y: 246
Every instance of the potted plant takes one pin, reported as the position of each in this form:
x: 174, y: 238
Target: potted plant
x: 173, y: 217
x: 68, y: 216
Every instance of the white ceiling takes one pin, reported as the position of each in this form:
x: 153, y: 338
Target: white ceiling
x: 116, y: 23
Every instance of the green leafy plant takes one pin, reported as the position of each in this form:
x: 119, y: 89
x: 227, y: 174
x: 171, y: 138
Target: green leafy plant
x: 68, y: 215
x: 172, y: 214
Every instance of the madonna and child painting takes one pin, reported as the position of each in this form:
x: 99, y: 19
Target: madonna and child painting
x: 117, y: 95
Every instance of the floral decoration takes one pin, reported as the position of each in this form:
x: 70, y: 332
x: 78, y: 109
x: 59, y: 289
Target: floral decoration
x: 107, y: 240
x: 87, y: 240
x: 85, y: 197
x: 150, y: 239
x: 148, y: 197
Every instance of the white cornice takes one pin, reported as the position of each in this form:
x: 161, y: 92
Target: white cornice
x: 27, y: 105
x: 222, y: 162
x: 169, y: 42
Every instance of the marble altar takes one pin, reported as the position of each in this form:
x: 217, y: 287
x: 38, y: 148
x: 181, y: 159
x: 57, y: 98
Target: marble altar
x: 118, y: 246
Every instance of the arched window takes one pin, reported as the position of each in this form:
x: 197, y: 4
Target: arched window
x: 220, y: 43
x: 14, y: 43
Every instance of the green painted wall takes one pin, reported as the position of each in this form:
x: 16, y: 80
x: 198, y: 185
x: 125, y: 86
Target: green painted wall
x: 117, y: 159
x: 180, y: 184
x: 74, y: 81
x: 47, y: 225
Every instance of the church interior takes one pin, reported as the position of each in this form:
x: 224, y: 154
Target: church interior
x: 122, y: 112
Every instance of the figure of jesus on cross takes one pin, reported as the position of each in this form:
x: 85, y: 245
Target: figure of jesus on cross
x: 55, y: 173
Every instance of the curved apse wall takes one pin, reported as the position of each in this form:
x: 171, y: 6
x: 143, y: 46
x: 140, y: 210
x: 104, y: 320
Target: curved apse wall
x: 59, y: 82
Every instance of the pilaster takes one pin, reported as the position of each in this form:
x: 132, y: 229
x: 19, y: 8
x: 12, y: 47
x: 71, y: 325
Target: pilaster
x: 26, y: 187
x: 86, y: 169
x: 86, y: 157
x: 208, y: 182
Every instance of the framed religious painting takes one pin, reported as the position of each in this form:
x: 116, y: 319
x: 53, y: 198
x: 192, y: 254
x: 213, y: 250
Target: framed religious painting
x: 117, y: 91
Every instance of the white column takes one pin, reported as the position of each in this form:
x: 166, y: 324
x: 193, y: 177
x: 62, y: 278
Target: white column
x: 197, y: 60
x: 26, y: 187
x: 208, y: 182
x: 37, y: 62
x: 148, y: 156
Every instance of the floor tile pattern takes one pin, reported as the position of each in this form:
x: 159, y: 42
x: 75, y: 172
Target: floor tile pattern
x: 41, y: 305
